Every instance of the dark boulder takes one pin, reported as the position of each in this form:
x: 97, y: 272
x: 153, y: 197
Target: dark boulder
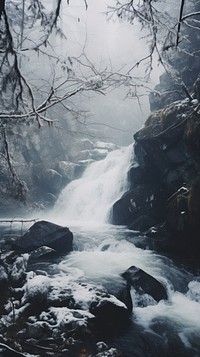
x: 162, y: 150
x: 109, y: 313
x: 104, y: 351
x: 47, y: 180
x: 121, y: 290
x: 35, y: 331
x: 4, y: 287
x: 42, y: 253
x: 138, y: 175
x: 140, y: 208
x: 164, y: 145
x: 48, y: 234
x: 3, y: 277
x: 166, y: 160
x: 182, y: 220
x: 144, y: 283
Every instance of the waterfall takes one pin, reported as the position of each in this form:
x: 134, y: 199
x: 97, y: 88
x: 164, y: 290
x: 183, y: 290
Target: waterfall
x: 90, y: 198
x: 102, y: 252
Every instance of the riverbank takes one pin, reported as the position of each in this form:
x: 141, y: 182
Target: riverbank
x: 58, y: 304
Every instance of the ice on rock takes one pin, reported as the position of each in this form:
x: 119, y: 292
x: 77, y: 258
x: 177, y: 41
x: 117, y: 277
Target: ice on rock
x: 38, y: 285
x: 19, y: 267
x: 194, y: 291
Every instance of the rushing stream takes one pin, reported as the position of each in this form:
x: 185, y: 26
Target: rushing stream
x: 103, y: 251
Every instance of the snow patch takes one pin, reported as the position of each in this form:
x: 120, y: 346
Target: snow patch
x: 39, y: 284
x: 194, y: 291
x: 19, y: 267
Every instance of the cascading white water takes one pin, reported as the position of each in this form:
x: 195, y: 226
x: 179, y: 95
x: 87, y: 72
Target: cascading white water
x: 90, y: 198
x: 105, y: 252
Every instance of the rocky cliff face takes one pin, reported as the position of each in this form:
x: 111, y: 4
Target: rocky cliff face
x: 165, y: 182
x: 41, y: 163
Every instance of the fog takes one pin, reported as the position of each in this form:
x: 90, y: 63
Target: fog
x: 108, y: 42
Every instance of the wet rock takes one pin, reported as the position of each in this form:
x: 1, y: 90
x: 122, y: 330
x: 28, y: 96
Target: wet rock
x: 86, y: 150
x: 104, y: 351
x: 48, y: 234
x: 4, y: 287
x: 101, y: 346
x: 142, y: 223
x: 64, y: 320
x: 82, y: 298
x: 166, y: 159
x: 53, y: 179
x: 109, y: 313
x: 83, y: 144
x: 166, y: 92
x: 88, y: 297
x: 18, y: 272
x: 48, y: 199
x: 3, y: 277
x: 67, y: 170
x: 138, y: 175
x: 47, y: 180
x: 36, y: 330
x: 158, y: 237
x: 142, y: 282
x: 30, y: 299
x: 121, y: 290
x: 99, y: 154
x: 43, y: 252
x: 109, y: 310
x: 61, y: 296
x: 139, y: 208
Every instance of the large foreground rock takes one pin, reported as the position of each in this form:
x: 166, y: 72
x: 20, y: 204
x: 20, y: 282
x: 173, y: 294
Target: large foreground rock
x: 48, y: 234
x: 56, y: 305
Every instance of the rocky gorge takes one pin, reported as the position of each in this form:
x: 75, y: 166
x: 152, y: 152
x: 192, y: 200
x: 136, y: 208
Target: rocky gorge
x: 120, y: 290
x: 99, y: 243
x: 49, y: 304
x: 163, y: 199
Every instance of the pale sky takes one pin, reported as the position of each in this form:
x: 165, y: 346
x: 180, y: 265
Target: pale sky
x: 108, y: 42
x: 112, y: 39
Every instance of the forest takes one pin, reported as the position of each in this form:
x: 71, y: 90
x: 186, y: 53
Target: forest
x: 100, y: 178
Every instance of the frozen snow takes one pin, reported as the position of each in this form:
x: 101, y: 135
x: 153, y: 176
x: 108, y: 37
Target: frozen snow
x: 39, y: 284
x: 19, y: 266
x: 194, y: 291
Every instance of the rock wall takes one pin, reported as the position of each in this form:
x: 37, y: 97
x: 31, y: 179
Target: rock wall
x: 165, y: 182
x: 42, y: 162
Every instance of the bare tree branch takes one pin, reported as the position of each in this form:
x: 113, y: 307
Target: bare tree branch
x: 180, y: 21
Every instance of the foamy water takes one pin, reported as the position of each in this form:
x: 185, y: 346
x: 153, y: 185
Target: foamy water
x: 102, y: 251
x: 89, y: 199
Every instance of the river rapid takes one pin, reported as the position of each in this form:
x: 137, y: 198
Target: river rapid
x: 102, y: 252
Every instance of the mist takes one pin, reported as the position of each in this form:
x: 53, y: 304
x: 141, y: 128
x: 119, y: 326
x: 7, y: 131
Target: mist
x: 108, y: 42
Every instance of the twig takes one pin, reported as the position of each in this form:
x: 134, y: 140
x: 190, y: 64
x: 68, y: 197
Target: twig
x: 3, y: 345
x: 179, y: 22
x: 18, y: 220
